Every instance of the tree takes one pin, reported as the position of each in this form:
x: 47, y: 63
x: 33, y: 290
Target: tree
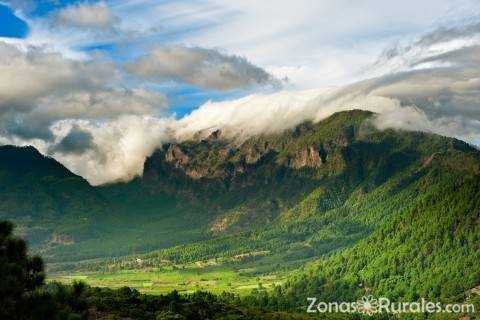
x: 20, y: 274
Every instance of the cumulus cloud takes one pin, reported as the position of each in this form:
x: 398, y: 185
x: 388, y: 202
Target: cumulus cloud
x: 78, y: 111
x: 435, y: 87
x: 207, y: 68
x: 85, y: 113
x: 438, y: 92
x: 96, y: 16
x: 26, y: 75
x: 102, y: 151
x: 119, y: 147
x: 38, y: 87
x: 96, y: 119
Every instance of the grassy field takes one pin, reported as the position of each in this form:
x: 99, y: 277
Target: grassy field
x: 184, y: 279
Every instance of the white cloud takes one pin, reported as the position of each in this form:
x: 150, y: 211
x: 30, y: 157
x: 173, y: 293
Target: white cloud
x: 26, y: 75
x: 95, y: 16
x: 110, y: 131
x: 120, y: 146
x: 251, y: 115
x: 101, y: 123
x: 256, y: 114
x: 329, y: 41
x: 207, y: 68
x: 243, y: 118
x: 441, y: 97
x: 38, y: 88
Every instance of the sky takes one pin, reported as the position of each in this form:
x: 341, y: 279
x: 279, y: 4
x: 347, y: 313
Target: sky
x: 99, y: 85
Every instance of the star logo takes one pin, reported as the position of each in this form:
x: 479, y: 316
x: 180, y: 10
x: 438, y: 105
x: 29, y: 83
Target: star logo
x: 367, y: 305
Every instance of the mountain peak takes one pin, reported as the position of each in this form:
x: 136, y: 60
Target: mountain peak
x: 23, y: 160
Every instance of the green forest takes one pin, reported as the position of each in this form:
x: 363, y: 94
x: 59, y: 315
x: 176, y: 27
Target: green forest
x: 213, y: 230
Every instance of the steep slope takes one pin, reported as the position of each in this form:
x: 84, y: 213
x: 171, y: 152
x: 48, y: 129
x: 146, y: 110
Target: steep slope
x: 428, y: 246
x: 319, y: 199
x: 252, y: 183
x: 64, y: 218
x: 51, y: 205
x: 247, y: 184
x: 384, y: 212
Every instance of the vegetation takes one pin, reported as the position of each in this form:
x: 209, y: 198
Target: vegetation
x: 21, y: 292
x: 24, y: 296
x: 334, y: 210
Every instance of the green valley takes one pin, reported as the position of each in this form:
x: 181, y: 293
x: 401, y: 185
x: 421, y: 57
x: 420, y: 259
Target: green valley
x: 335, y: 210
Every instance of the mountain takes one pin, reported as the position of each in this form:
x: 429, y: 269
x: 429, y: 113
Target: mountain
x: 51, y: 205
x: 338, y: 206
x: 257, y: 181
x: 63, y: 217
x: 348, y: 209
x: 253, y: 182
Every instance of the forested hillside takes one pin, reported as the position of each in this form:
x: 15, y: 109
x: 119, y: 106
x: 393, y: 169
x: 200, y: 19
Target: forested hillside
x: 51, y: 205
x: 334, y: 209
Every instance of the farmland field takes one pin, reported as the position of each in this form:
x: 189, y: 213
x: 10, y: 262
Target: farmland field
x: 184, y: 279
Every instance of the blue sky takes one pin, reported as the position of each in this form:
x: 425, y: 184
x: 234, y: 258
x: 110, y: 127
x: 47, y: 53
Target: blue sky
x: 12, y: 26
x: 134, y: 74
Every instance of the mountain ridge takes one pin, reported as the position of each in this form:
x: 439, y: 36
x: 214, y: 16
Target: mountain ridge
x: 212, y: 187
x: 333, y: 207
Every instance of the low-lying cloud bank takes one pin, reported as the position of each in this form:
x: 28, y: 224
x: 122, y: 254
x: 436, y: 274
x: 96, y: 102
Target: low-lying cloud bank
x: 102, y: 127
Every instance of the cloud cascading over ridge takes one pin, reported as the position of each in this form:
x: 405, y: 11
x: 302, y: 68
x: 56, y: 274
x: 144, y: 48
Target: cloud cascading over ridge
x: 102, y: 116
x: 87, y: 113
x: 207, y: 68
x: 437, y: 91
x: 73, y: 110
x: 117, y: 150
